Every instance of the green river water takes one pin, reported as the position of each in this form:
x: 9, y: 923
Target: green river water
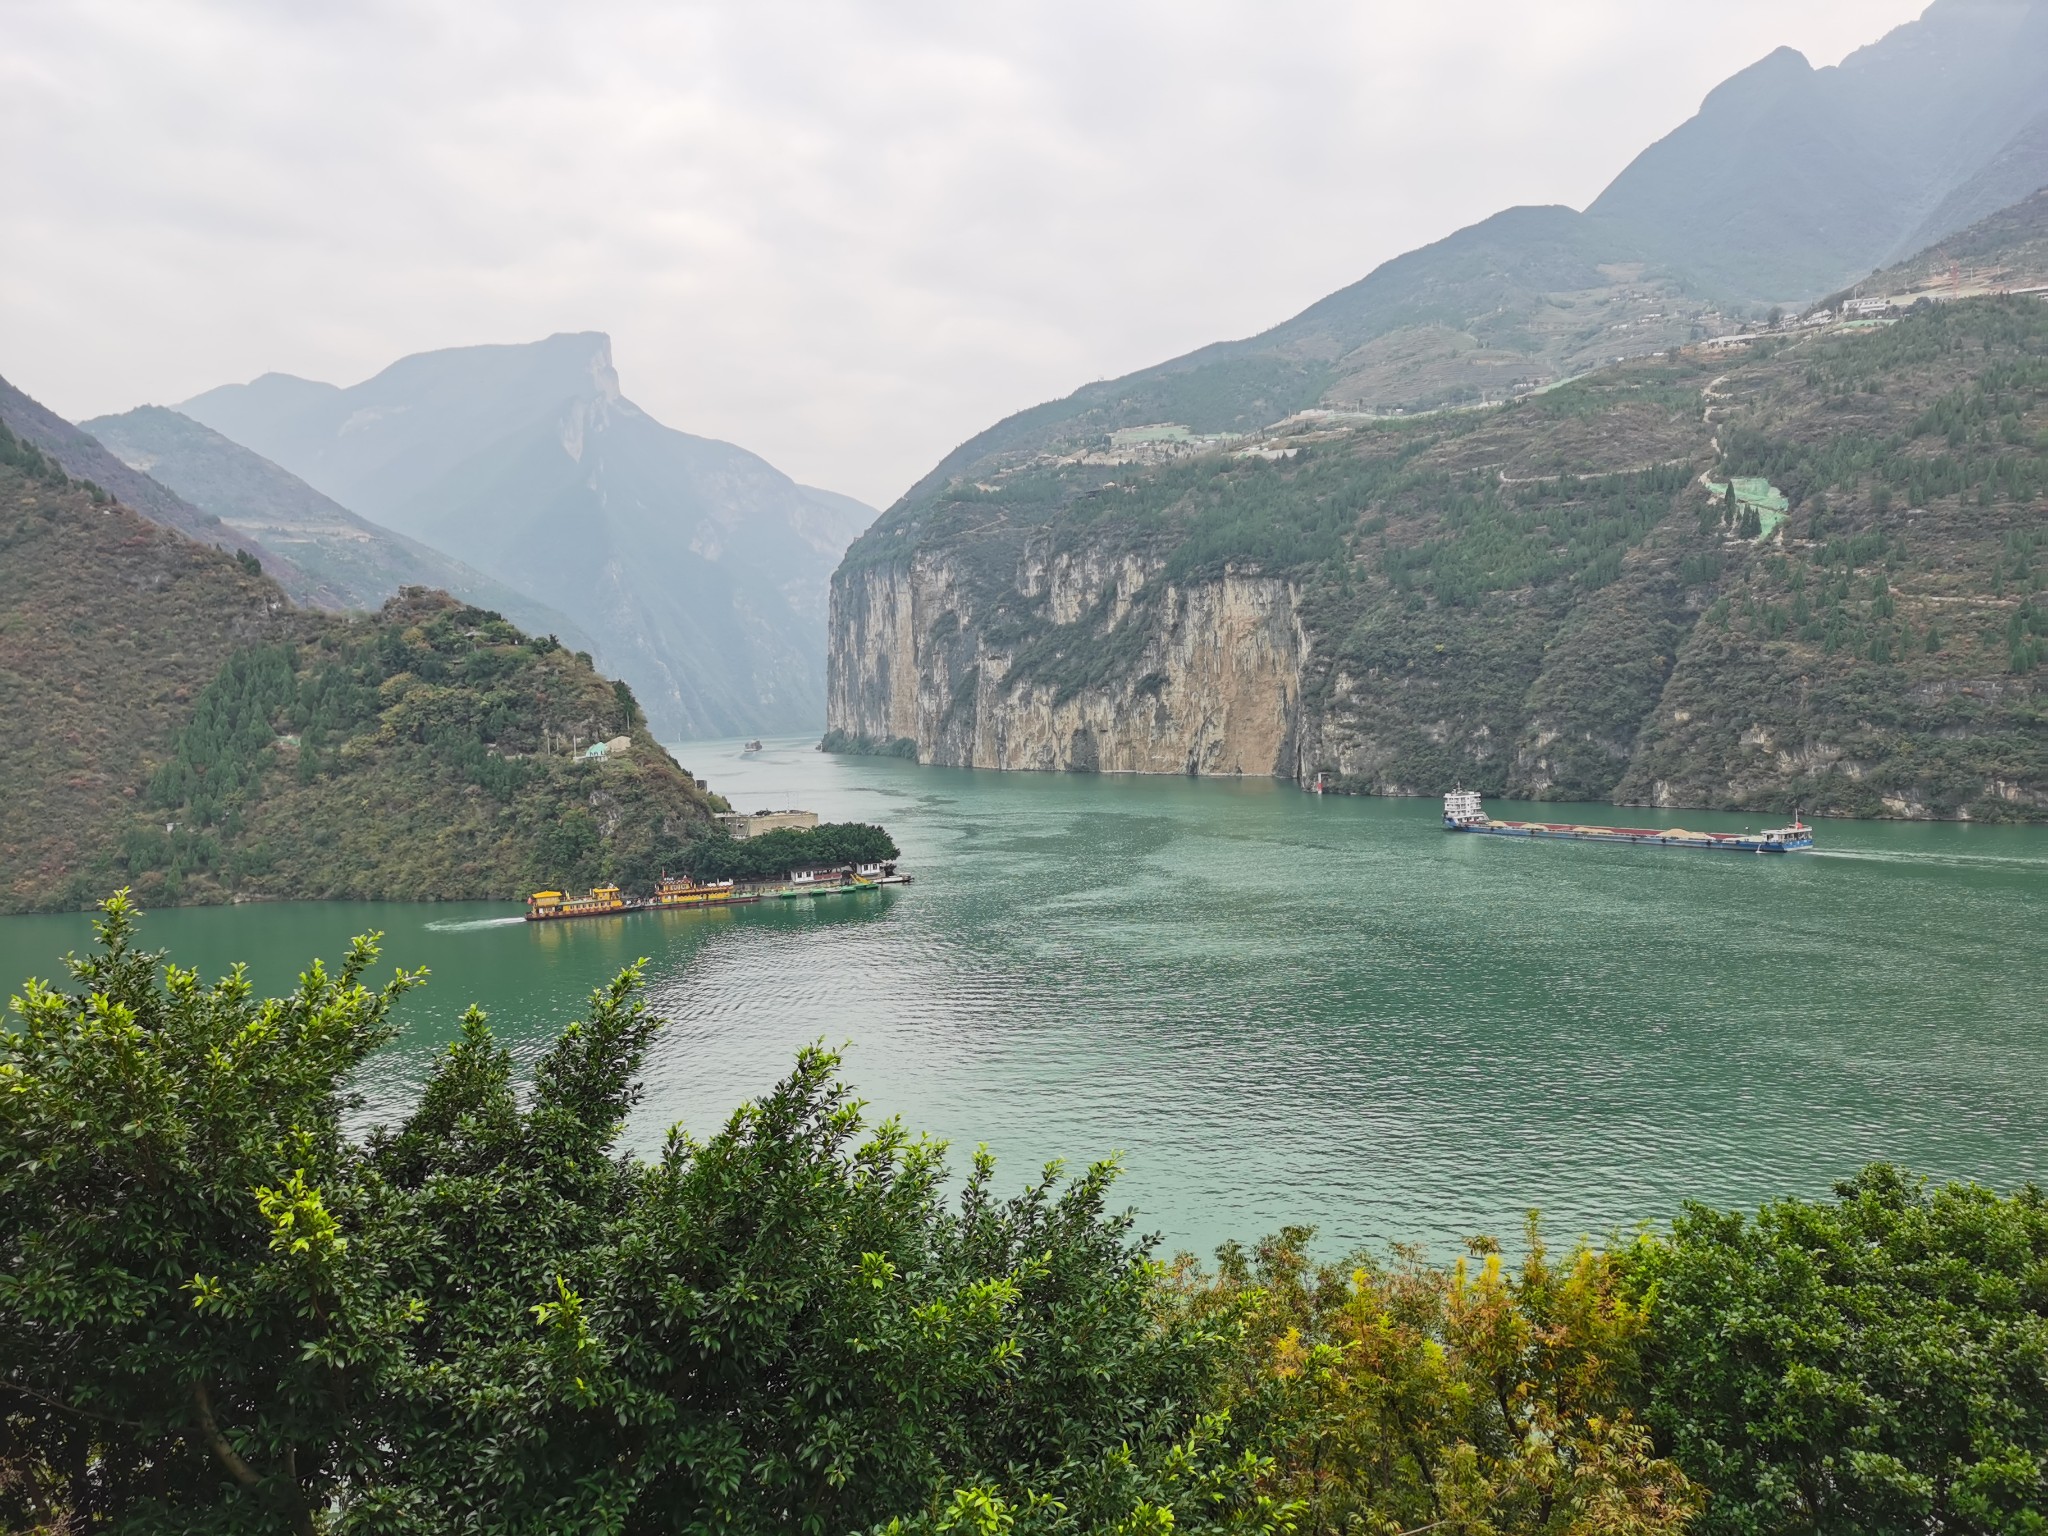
x: 1281, y: 1008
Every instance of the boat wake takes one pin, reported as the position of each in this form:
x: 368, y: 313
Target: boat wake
x: 1907, y: 856
x: 470, y: 924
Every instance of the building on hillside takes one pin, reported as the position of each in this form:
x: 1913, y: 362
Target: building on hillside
x: 743, y: 824
x: 1857, y: 309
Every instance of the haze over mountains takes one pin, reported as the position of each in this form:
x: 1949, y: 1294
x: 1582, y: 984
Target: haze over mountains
x: 363, y: 564
x: 83, y: 457
x: 520, y: 478
x: 1789, y: 183
x: 1221, y: 564
x: 698, y: 568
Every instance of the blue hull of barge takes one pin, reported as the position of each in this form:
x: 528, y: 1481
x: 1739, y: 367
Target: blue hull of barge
x: 1636, y: 836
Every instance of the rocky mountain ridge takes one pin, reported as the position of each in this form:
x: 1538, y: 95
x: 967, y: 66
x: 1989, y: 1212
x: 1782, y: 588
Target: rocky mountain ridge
x: 83, y: 458
x: 364, y: 564
x: 1788, y: 183
x: 699, y: 569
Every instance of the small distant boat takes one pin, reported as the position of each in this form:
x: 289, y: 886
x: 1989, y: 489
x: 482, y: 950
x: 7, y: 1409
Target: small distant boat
x: 1462, y: 813
x: 751, y: 748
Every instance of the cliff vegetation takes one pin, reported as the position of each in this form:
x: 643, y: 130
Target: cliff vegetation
x: 1804, y: 570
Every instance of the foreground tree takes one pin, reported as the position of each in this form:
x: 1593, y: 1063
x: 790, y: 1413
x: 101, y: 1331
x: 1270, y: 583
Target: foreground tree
x: 1472, y: 1402
x: 1873, y: 1364
x: 183, y: 1325
x: 220, y: 1313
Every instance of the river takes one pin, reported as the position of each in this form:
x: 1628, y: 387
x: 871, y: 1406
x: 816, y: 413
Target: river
x: 1283, y: 1008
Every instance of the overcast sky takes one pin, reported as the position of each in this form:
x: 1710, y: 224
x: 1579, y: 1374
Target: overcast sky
x: 846, y: 236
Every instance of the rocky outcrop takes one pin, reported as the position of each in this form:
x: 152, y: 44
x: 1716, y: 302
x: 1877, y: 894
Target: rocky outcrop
x: 1122, y: 672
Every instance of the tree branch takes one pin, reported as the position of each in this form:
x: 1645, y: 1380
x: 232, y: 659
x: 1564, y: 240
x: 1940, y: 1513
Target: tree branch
x: 246, y: 1475
x: 63, y: 1407
x: 230, y: 1458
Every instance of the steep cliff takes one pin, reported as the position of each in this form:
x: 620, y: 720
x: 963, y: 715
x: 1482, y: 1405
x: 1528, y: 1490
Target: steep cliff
x: 1805, y: 570
x: 1208, y: 674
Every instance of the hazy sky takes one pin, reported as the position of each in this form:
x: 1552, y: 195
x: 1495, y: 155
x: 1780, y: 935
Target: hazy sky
x: 846, y: 236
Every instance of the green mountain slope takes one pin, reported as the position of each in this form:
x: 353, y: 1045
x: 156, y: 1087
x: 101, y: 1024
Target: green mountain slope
x: 1789, y: 182
x: 700, y: 569
x: 180, y: 727
x: 1543, y: 599
x: 364, y: 563
x: 2008, y: 250
x: 81, y: 456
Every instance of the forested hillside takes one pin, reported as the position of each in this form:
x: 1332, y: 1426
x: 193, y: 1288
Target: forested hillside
x: 180, y: 728
x: 80, y: 455
x: 1804, y: 570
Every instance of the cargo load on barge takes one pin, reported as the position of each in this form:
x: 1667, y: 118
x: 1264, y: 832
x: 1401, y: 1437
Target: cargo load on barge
x: 1463, y: 813
x: 679, y: 892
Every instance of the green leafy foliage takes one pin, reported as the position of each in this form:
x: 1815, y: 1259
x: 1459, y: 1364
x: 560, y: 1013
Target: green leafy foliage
x: 1869, y: 1365
x: 1479, y: 1398
x: 772, y: 855
x: 182, y: 1324
x: 220, y: 1312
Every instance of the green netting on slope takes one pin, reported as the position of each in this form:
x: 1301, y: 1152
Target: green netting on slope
x: 1755, y: 491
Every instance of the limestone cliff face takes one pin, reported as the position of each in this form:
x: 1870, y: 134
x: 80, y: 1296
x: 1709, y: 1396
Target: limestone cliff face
x: 1089, y: 661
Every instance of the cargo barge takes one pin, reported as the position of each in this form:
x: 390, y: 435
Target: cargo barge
x: 1463, y: 813
x: 672, y: 894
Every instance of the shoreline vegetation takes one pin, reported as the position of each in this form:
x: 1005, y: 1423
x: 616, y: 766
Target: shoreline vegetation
x: 222, y: 1310
x: 845, y: 744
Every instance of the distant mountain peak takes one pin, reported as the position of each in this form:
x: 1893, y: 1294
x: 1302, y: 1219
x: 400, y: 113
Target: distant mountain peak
x: 1790, y: 180
x: 699, y: 569
x: 604, y: 378
x: 1760, y: 85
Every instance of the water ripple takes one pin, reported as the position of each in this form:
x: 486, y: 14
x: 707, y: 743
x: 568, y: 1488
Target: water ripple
x: 1281, y: 1008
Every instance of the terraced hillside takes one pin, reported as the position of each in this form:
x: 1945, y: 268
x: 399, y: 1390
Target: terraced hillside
x: 179, y: 727
x: 1543, y: 599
